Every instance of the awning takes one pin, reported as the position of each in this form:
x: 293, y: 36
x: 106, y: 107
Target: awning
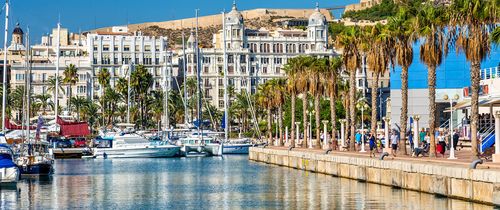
x: 485, y: 102
x: 462, y: 104
x: 73, y: 128
x: 12, y: 126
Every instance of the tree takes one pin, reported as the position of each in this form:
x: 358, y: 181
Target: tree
x: 155, y: 106
x: 89, y: 113
x: 103, y: 79
x: 278, y: 98
x: 52, y: 87
x: 191, y: 87
x: 113, y: 98
x: 17, y: 98
x: 495, y: 35
x: 350, y: 41
x: 302, y: 84
x: 44, y: 101
x: 402, y: 30
x: 431, y: 21
x: 316, y: 88
x: 264, y: 94
x: 70, y: 78
x: 332, y: 84
x: 140, y: 81
x: 293, y: 68
x: 471, y: 22
x: 78, y: 103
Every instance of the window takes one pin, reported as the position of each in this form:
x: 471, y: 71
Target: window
x: 105, y: 47
x: 115, y: 61
x: 81, y: 89
x: 243, y: 59
x: 278, y: 70
x: 252, y: 70
x: 147, y: 48
x: 221, y: 92
x: 157, y: 48
x: 230, y: 69
x: 95, y: 47
x: 230, y: 59
x: 157, y: 61
x: 205, y: 70
x: 206, y: 59
x: 115, y: 48
x: 19, y: 77
x: 243, y: 69
x: 137, y: 49
x: 126, y: 48
x: 264, y: 70
x: 221, y: 104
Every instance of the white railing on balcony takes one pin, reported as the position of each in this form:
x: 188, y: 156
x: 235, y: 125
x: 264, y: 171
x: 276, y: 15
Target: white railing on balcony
x: 490, y: 73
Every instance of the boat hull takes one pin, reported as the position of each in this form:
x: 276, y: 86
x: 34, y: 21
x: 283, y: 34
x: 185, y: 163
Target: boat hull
x: 209, y: 149
x: 9, y: 176
x: 134, y: 152
x: 38, y: 169
x: 236, y: 148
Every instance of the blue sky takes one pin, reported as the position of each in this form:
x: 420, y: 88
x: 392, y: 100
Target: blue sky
x: 42, y: 15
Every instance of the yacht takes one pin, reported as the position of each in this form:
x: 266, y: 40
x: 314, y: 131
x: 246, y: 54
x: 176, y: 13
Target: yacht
x: 132, y: 146
x: 34, y: 159
x: 237, y: 146
x: 199, y: 144
x: 9, y: 172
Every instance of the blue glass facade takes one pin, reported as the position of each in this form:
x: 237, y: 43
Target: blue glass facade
x: 452, y: 74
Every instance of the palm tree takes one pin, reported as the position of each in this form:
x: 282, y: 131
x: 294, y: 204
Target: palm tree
x: 70, y: 78
x: 43, y: 99
x: 350, y: 41
x: 103, y: 79
x: 264, y: 94
x: 292, y: 69
x: 403, y: 32
x: 476, y: 20
x: 17, y: 98
x: 191, y: 87
x: 78, y: 103
x: 332, y: 84
x: 316, y: 88
x: 430, y: 22
x: 278, y: 99
x: 495, y: 35
x: 302, y: 84
x: 89, y: 113
x: 140, y: 81
x: 52, y: 86
x: 155, y: 105
x: 113, y: 98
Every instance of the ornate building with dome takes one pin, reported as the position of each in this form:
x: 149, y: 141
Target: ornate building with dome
x: 254, y: 55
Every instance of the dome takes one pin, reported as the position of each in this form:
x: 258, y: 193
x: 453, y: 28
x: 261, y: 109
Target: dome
x: 317, y: 18
x: 18, y: 30
x: 234, y: 17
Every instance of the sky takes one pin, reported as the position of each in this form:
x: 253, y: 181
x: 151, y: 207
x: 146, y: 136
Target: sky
x: 42, y: 15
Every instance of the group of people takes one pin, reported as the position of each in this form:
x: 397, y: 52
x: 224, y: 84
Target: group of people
x: 375, y: 142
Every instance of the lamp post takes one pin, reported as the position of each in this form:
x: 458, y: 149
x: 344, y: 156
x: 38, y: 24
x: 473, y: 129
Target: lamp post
x: 416, y: 136
x: 452, y: 149
x: 387, y: 121
x: 310, y: 129
x: 326, y: 144
x: 297, y: 130
x: 342, y: 132
x: 362, y: 105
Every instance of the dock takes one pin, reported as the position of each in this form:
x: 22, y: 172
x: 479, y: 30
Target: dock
x: 449, y: 178
x: 67, y: 153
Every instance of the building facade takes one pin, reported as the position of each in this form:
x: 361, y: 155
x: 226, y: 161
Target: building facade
x: 253, y: 55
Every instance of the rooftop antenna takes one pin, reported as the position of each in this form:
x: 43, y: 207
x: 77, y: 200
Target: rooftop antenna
x: 4, y: 91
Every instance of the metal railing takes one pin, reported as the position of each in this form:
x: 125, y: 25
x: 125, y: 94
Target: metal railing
x: 490, y: 73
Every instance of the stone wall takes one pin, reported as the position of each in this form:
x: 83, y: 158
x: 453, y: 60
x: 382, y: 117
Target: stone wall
x: 478, y: 185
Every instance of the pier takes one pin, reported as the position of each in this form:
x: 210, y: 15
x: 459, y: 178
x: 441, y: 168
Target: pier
x: 438, y: 177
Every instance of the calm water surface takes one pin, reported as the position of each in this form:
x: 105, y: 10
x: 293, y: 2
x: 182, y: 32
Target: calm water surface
x: 231, y: 182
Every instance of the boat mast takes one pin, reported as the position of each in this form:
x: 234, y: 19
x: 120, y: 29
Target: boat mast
x: 28, y: 46
x: 185, y: 79
x: 198, y: 71
x: 57, y: 69
x: 27, y: 88
x: 226, y: 117
x: 166, y: 83
x: 4, y: 91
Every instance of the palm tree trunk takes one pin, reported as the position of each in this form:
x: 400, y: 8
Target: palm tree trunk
x: 352, y: 108
x: 280, y: 124
x: 431, y: 77
x: 269, y: 129
x: 404, y: 110
x: 292, y: 134
x: 374, y: 103
x: 304, y: 119
x: 475, y: 75
x: 317, y: 98
x: 333, y: 114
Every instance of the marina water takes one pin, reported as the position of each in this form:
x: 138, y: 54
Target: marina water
x: 228, y: 182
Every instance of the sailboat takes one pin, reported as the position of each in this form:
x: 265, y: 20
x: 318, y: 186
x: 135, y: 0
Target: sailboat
x: 34, y: 157
x: 237, y: 146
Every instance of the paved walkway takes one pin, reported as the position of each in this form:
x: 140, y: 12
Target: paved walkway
x: 464, y: 157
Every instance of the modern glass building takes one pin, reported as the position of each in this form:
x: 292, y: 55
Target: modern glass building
x: 451, y: 77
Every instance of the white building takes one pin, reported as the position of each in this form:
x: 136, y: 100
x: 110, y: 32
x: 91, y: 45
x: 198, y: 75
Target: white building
x: 254, y: 56
x: 119, y: 51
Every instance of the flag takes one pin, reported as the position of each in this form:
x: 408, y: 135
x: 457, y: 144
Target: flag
x: 38, y: 127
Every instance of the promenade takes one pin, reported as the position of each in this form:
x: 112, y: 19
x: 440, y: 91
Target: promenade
x: 450, y: 178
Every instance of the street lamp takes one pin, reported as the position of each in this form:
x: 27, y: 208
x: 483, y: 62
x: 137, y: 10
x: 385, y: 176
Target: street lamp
x: 362, y: 105
x: 310, y: 128
x: 416, y: 136
x: 447, y: 98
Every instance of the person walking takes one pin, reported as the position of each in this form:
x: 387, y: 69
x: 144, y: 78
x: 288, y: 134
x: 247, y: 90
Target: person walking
x: 358, y: 140
x: 441, y: 146
x: 394, y: 143
x: 455, y: 139
x: 373, y: 145
x: 422, y: 135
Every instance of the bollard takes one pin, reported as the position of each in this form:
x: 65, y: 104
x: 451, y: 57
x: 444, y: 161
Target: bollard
x: 474, y: 163
x: 383, y: 155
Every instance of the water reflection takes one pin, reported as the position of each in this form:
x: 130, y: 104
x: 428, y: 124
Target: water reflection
x: 232, y: 182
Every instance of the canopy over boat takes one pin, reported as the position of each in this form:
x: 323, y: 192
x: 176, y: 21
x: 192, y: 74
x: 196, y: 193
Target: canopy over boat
x: 6, y: 157
x: 73, y: 128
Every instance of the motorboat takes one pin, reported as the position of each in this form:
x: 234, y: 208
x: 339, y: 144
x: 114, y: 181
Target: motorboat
x: 132, y: 146
x: 199, y: 143
x: 238, y: 146
x: 9, y: 172
x: 35, y: 159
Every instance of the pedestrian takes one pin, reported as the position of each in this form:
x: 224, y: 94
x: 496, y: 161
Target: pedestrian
x: 373, y: 145
x: 394, y: 143
x: 455, y: 139
x: 422, y: 135
x: 441, y: 146
x: 358, y: 139
x: 410, y: 138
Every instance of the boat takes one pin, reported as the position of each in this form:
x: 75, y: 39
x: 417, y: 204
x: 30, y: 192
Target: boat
x: 239, y: 146
x: 9, y: 172
x: 132, y: 146
x: 34, y: 159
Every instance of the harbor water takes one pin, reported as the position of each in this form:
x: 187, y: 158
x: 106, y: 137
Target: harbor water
x: 229, y: 182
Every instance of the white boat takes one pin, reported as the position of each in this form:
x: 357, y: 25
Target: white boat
x: 9, y: 172
x: 133, y: 146
x: 35, y: 159
x: 199, y: 145
x: 239, y: 146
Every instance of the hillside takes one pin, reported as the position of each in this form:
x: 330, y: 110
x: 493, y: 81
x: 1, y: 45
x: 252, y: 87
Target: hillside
x: 254, y: 19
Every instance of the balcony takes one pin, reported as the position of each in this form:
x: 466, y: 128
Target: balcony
x: 490, y: 73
